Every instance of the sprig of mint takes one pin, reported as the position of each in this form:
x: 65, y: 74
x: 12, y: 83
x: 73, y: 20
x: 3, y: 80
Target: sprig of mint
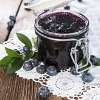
x: 25, y: 40
x: 14, y: 60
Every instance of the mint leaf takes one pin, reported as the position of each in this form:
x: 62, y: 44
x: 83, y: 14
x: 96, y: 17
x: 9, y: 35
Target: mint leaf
x: 5, y: 61
x: 25, y: 40
x: 28, y: 55
x: 14, y: 65
x: 12, y: 53
x: 11, y: 65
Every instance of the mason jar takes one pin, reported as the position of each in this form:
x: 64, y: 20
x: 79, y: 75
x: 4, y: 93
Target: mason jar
x: 62, y: 38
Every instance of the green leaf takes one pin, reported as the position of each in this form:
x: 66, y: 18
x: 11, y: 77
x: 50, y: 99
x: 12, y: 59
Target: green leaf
x: 15, y: 65
x: 98, y: 63
x: 11, y: 65
x: 12, y: 53
x: 28, y: 55
x: 24, y: 39
x: 5, y: 61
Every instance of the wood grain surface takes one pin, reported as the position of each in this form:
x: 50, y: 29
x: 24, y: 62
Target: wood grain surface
x: 14, y: 88
x: 7, y: 8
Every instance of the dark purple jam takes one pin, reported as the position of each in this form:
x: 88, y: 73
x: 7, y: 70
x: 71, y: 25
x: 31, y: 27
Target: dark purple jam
x: 55, y: 32
x: 62, y: 23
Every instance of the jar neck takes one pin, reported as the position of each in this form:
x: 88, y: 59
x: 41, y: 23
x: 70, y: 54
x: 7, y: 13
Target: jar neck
x: 43, y: 32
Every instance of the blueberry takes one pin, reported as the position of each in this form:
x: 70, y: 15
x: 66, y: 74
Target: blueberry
x: 51, y: 70
x: 34, y: 62
x: 73, y: 70
x: 87, y: 77
x: 93, y: 59
x: 41, y: 69
x: 28, y: 65
x: 26, y: 49
x: 43, y: 91
x: 80, y: 0
x: 67, y: 7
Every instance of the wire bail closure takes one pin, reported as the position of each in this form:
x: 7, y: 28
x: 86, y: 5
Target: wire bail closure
x: 83, y: 43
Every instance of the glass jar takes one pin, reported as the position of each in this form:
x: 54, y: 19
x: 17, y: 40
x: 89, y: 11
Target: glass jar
x: 62, y: 37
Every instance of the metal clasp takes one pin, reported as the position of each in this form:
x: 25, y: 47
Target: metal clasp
x: 85, y: 63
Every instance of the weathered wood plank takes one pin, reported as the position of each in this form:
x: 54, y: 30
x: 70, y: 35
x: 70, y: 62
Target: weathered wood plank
x: 7, y: 8
x: 14, y: 88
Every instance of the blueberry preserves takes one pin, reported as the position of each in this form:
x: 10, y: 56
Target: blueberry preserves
x: 56, y: 33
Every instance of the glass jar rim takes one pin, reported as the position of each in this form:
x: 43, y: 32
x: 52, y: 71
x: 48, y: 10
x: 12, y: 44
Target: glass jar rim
x: 62, y: 35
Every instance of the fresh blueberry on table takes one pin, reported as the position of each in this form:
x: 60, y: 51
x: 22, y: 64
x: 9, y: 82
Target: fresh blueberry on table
x: 43, y: 91
x: 26, y: 49
x: 73, y: 70
x: 67, y: 7
x: 28, y: 65
x: 41, y: 69
x: 87, y: 77
x: 34, y: 62
x: 52, y: 70
x: 93, y: 59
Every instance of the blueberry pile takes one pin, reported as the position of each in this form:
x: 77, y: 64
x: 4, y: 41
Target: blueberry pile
x: 51, y: 70
x: 40, y: 68
x: 61, y: 23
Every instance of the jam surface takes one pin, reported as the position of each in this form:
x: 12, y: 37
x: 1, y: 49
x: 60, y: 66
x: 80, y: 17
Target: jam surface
x: 62, y: 23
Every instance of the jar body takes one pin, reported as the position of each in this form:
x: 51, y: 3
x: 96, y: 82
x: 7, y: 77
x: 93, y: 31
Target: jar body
x: 55, y: 49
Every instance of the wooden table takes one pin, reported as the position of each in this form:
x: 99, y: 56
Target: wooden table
x: 7, y: 8
x: 14, y: 88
